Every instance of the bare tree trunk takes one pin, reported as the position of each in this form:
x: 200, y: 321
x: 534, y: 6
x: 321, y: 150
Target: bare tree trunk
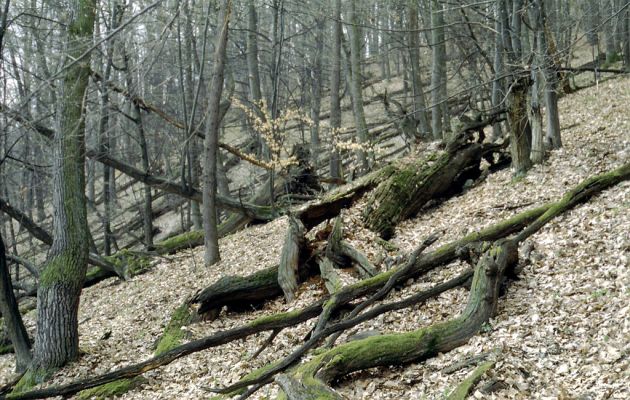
x: 609, y: 31
x: 520, y: 130
x: 438, y: 71
x: 419, y: 103
x: 144, y: 152
x: 535, y: 113
x: 516, y: 29
x: 104, y: 134
x: 497, y: 82
x: 11, y: 316
x: 626, y: 38
x: 316, y: 89
x: 335, y: 82
x: 548, y: 48
x: 211, y: 255
x: 355, y: 88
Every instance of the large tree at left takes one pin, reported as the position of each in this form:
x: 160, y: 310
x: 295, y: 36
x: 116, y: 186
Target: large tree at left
x: 61, y: 279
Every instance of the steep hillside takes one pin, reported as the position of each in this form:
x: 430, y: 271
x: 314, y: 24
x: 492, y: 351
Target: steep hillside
x: 561, y: 331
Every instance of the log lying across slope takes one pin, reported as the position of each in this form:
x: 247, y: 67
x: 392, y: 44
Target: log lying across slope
x: 402, y: 189
x: 337, y: 366
x: 414, y: 184
x: 310, y: 380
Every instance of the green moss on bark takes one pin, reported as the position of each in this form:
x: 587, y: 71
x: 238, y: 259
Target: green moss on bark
x: 131, y: 262
x: 109, y: 390
x: 179, y: 242
x: 173, y: 333
x: 462, y: 390
x: 268, y: 319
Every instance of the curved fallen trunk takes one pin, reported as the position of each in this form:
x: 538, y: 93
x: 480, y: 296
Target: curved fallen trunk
x: 240, y: 292
x: 497, y: 261
x: 491, y: 264
x: 393, y: 349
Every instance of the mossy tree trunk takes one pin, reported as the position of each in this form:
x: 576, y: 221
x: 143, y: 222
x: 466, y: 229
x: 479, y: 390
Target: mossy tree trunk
x: 61, y: 280
x: 414, y: 184
x: 394, y: 349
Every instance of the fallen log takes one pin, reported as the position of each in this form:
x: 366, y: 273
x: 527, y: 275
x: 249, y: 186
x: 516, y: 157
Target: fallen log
x: 393, y: 349
x: 241, y: 293
x: 443, y: 254
x: 278, y: 321
x: 498, y: 260
x: 416, y: 183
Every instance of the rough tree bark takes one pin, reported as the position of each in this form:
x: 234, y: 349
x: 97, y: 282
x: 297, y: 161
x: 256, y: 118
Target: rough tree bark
x: 355, y: 88
x: 61, y: 280
x: 288, y: 270
x: 415, y: 183
x: 419, y: 103
x: 520, y: 130
x: 335, y: 101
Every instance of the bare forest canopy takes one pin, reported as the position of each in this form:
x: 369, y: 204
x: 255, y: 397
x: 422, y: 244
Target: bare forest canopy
x: 137, y: 134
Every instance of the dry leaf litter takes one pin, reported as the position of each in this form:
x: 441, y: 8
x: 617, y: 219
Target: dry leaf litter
x: 562, y: 330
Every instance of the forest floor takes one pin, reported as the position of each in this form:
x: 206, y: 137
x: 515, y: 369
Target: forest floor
x: 562, y: 330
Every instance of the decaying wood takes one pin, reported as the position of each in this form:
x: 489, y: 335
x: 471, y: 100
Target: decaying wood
x: 415, y: 183
x: 342, y: 253
x: 329, y: 275
x: 463, y: 389
x: 265, y: 374
x: 243, y: 293
x: 497, y: 261
x: 382, y: 349
x: 288, y: 270
x: 443, y: 254
x: 263, y: 285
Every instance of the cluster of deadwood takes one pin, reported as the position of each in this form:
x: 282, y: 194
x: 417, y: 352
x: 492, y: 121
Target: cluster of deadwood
x: 394, y: 192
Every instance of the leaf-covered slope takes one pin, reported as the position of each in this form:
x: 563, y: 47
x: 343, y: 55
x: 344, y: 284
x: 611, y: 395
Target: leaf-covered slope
x: 562, y: 328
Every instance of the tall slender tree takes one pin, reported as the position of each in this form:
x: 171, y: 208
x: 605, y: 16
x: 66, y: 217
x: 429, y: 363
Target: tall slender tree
x: 335, y: 81
x: 355, y: 86
x: 212, y: 255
